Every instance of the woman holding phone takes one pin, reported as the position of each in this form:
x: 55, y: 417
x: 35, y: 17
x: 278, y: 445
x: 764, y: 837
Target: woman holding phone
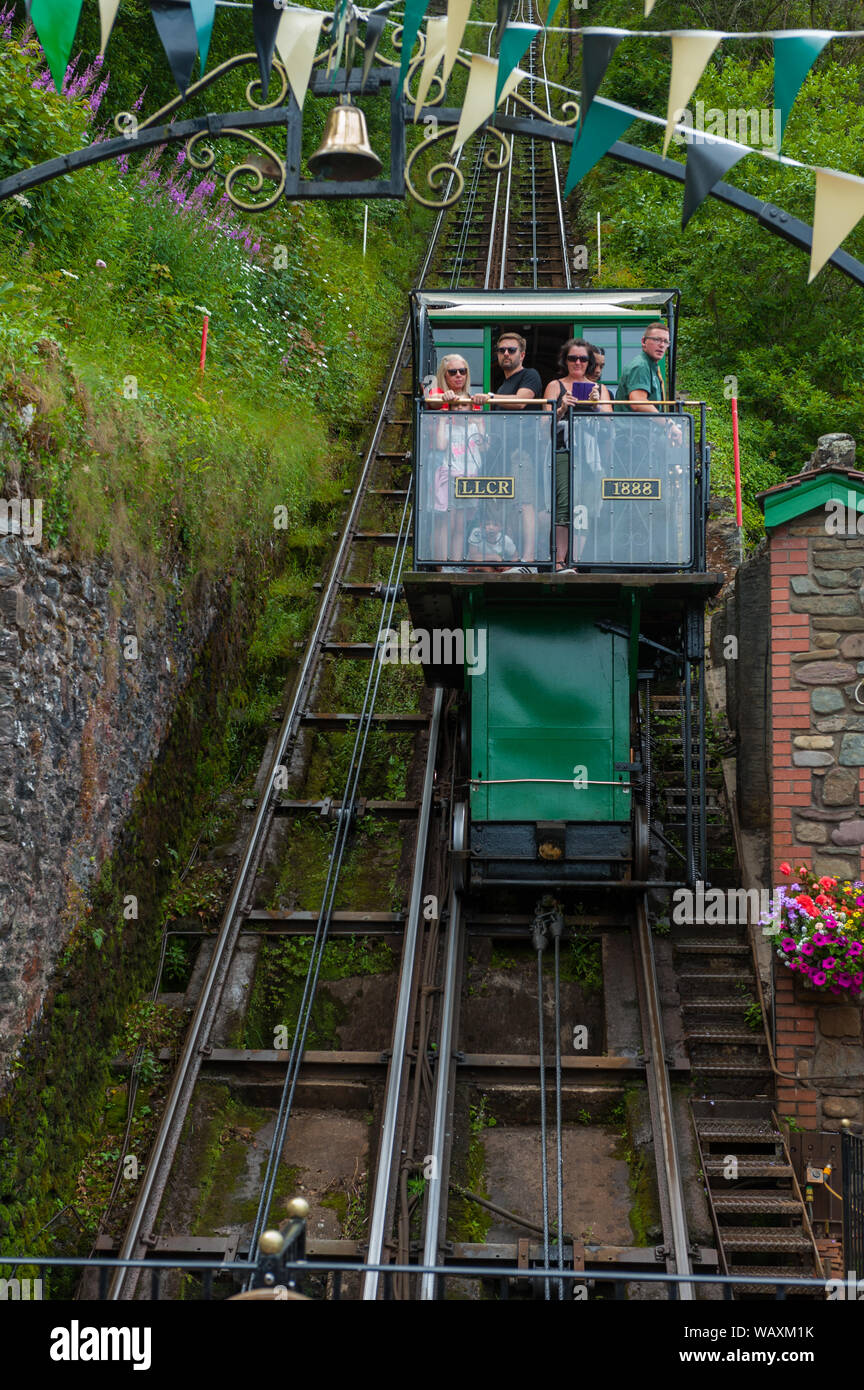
x: 571, y: 390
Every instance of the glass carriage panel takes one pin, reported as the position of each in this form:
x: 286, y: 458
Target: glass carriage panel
x: 484, y: 493
x: 632, y: 491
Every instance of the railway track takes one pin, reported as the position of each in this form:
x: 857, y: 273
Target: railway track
x: 419, y: 1059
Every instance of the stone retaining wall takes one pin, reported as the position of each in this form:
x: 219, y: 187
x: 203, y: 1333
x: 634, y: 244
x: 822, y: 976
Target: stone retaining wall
x: 81, y: 721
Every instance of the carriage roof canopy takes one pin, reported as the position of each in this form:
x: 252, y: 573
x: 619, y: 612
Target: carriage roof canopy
x: 530, y: 304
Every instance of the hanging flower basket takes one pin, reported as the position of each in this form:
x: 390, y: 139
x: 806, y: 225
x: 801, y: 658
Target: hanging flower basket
x: 822, y: 934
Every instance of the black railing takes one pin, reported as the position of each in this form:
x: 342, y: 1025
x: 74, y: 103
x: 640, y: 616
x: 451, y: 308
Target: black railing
x: 853, y: 1203
x: 282, y: 1277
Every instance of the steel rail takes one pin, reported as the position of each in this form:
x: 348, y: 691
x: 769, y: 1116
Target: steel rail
x: 669, y: 1178
x: 540, y: 944
x: 396, y: 1074
x: 442, y: 1120
x: 161, y: 1156
x: 556, y: 175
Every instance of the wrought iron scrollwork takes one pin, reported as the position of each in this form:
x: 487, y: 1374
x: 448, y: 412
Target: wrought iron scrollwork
x: 496, y: 160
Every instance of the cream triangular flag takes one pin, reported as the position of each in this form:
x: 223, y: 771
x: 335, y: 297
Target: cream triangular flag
x: 296, y: 41
x: 691, y: 50
x: 479, y: 100
x: 457, y: 17
x: 436, y: 38
x: 649, y: 5
x: 838, y: 207
x: 107, y: 15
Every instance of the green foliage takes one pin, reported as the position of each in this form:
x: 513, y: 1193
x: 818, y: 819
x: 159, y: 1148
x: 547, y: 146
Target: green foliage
x: 584, y: 964
x: 279, y: 981
x: 796, y: 351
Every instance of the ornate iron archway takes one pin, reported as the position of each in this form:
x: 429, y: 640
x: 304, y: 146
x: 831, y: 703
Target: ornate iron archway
x: 284, y: 170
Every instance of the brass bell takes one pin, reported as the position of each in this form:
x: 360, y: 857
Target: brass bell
x: 345, y: 153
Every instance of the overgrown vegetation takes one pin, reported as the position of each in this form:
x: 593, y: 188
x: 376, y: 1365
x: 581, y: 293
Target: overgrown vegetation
x: 104, y: 278
x: 278, y: 991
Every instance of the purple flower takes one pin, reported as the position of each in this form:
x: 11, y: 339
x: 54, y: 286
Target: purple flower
x: 788, y: 943
x: 805, y: 948
x: 844, y: 980
x: 856, y: 948
x: 828, y: 963
x: 819, y: 939
x: 818, y: 977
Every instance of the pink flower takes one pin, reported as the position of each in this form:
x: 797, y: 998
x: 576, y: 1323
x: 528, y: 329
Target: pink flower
x: 785, y: 868
x: 818, y: 977
x: 788, y: 943
x: 806, y: 948
x: 828, y: 963
x: 856, y: 948
x: 844, y: 980
x: 819, y: 939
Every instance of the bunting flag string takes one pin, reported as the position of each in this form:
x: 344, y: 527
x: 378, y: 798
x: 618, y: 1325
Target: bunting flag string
x: 515, y: 42
x: 457, y: 18
x: 265, y: 23
x: 598, y: 46
x: 480, y: 100
x: 794, y: 55
x: 296, y: 42
x: 55, y: 22
x: 550, y: 13
x: 175, y: 26
x: 838, y: 207
x: 413, y: 18
x: 107, y: 15
x: 690, y: 55
x: 708, y: 159
x: 605, y: 123
x: 204, y: 13
x: 375, y: 22
x: 505, y: 9
x: 436, y: 40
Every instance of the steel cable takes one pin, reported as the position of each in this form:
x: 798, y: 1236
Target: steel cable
x: 539, y: 942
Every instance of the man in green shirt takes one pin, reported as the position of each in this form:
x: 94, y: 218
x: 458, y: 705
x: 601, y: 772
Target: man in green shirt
x: 641, y: 383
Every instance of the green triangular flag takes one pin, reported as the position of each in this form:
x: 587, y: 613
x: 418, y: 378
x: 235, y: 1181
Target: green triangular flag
x: 794, y: 55
x: 514, y: 41
x: 55, y: 22
x: 604, y: 123
x: 412, y: 19
x: 203, y: 12
x: 550, y: 13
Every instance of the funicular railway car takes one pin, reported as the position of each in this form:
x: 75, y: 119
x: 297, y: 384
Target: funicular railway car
x: 564, y: 650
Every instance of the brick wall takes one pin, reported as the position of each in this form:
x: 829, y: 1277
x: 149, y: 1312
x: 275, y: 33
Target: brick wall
x: 816, y: 739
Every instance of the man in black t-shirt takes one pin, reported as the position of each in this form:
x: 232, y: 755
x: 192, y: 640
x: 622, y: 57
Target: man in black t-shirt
x: 523, y: 384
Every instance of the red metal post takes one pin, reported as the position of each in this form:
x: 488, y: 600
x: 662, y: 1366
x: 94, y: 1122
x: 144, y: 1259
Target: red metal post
x: 204, y: 328
x: 738, y: 513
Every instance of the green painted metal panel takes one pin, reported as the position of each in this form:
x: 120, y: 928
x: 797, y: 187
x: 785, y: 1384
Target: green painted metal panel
x: 551, y: 709
x: 811, y: 494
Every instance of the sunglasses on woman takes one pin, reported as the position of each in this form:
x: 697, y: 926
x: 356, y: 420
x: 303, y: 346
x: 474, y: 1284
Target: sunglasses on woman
x: 456, y: 371
x: 576, y: 357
